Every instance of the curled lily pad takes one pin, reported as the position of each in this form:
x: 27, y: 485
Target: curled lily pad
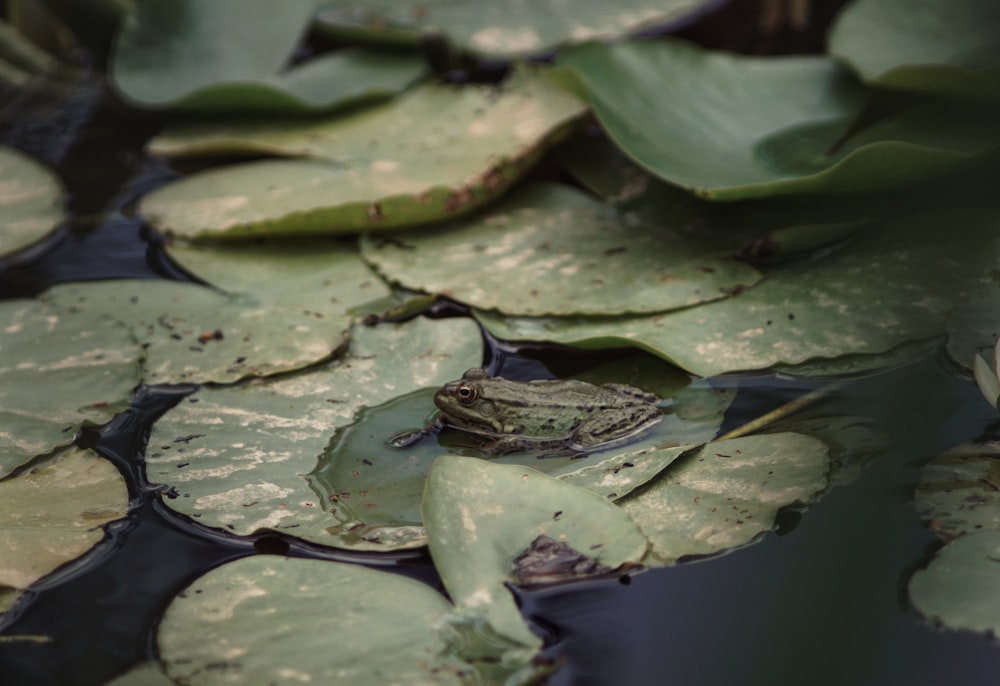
x: 498, y: 29
x: 238, y: 457
x: 727, y: 494
x: 922, y: 45
x: 606, y: 262
x: 436, y: 152
x: 268, y: 619
x: 58, y: 370
x: 235, y: 54
x: 52, y: 513
x: 30, y: 201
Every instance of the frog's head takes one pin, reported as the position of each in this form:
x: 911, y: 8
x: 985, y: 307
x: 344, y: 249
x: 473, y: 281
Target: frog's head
x: 465, y: 404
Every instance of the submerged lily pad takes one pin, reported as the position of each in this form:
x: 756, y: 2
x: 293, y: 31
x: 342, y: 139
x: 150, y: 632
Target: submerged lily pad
x: 820, y: 309
x: 238, y: 457
x: 498, y: 29
x: 52, y: 513
x: 727, y: 494
x: 235, y: 54
x: 58, y: 370
x: 922, y: 45
x: 731, y: 127
x: 480, y: 516
x: 268, y: 619
x: 30, y: 201
x: 436, y: 152
x: 550, y: 249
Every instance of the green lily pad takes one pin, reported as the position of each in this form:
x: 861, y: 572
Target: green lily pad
x: 267, y: 619
x: 52, y: 513
x: 58, y: 370
x: 235, y: 54
x: 859, y: 365
x: 436, y: 152
x: 961, y: 585
x: 727, y: 494
x: 960, y: 490
x: 852, y: 442
x: 922, y: 45
x: 550, y: 249
x: 480, y: 516
x: 731, y: 127
x: 238, y: 457
x: 801, y: 311
x: 497, y: 29
x: 30, y: 201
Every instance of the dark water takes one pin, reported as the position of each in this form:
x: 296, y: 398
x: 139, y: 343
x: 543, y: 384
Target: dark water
x: 821, y: 602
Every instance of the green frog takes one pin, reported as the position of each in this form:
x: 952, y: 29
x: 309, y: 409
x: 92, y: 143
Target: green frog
x: 544, y: 416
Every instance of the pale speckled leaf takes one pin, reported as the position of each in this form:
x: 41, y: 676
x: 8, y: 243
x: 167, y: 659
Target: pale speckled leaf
x: 481, y: 515
x: 550, y: 249
x: 960, y: 490
x: 851, y: 365
x: 58, y: 370
x: 437, y: 151
x: 895, y: 282
x: 960, y: 588
x: 727, y: 494
x: 52, y: 513
x: 238, y: 457
x: 268, y: 619
x: 852, y: 442
x: 30, y: 201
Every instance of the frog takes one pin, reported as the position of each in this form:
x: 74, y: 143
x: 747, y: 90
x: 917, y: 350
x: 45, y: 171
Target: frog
x: 545, y: 416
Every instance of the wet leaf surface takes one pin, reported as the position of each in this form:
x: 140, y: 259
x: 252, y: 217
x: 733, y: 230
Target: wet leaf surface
x: 30, y: 201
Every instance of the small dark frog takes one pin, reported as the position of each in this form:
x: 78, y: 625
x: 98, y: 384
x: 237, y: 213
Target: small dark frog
x: 545, y: 416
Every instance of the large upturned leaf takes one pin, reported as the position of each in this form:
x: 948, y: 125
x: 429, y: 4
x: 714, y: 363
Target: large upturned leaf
x: 505, y: 28
x: 549, y: 249
x: 52, y: 513
x: 727, y: 494
x: 238, y: 457
x: 269, y: 620
x: 922, y: 45
x: 58, y: 370
x: 436, y: 152
x: 235, y: 54
x: 30, y: 201
x: 481, y: 516
x: 731, y: 127
x: 896, y: 282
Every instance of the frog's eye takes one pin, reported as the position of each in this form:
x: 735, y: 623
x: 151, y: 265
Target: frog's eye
x: 466, y: 393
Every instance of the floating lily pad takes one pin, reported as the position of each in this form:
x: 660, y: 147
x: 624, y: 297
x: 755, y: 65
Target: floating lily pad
x: 852, y: 442
x: 550, y: 249
x: 922, y: 45
x: 238, y: 457
x: 58, y: 370
x: 193, y: 55
x: 730, y: 127
x: 30, y: 201
x: 52, y: 513
x: 268, y: 619
x: 436, y: 152
x: 727, y: 494
x: 820, y: 309
x: 960, y: 490
x: 860, y: 365
x: 480, y: 516
x: 498, y: 29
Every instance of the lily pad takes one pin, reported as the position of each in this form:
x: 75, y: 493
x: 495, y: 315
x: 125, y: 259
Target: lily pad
x: 267, y: 619
x: 922, y: 45
x: 480, y: 516
x: 974, y: 326
x: 192, y: 55
x: 436, y: 152
x: 960, y: 490
x: 58, y: 370
x: 52, y: 513
x: 727, y: 494
x: 820, y: 309
x: 238, y: 457
x: 499, y: 29
x: 30, y: 201
x: 550, y: 249
x: 731, y: 127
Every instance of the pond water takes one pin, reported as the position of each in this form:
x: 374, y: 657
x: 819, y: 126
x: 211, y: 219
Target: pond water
x: 820, y: 601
